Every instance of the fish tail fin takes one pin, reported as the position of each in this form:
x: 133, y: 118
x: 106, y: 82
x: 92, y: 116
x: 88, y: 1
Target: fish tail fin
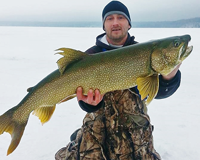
x: 15, y: 129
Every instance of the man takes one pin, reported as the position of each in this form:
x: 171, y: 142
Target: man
x: 117, y: 126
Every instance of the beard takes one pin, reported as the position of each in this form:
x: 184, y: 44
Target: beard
x: 117, y: 34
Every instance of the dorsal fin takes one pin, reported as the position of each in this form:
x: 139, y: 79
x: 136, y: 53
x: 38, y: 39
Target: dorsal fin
x: 148, y: 87
x: 70, y: 56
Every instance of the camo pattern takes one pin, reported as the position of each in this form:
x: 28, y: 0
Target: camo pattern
x: 120, y: 130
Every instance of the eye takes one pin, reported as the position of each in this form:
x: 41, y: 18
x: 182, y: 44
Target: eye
x: 109, y: 18
x: 176, y: 43
x: 120, y: 17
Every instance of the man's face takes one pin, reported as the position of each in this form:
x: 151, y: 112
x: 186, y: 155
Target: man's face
x: 116, y: 27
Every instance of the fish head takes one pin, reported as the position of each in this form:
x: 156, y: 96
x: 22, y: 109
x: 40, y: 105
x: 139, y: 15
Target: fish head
x: 169, y: 52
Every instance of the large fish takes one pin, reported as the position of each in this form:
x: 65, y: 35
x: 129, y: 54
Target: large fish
x: 123, y: 68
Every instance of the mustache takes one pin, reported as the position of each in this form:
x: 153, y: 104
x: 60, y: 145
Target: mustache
x: 115, y: 28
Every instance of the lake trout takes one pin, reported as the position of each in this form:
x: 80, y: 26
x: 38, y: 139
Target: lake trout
x: 136, y: 65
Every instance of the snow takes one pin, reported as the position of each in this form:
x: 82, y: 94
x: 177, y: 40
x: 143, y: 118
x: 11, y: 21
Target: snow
x: 27, y: 56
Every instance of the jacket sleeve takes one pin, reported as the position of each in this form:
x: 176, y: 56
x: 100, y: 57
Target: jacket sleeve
x: 167, y: 88
x: 90, y: 108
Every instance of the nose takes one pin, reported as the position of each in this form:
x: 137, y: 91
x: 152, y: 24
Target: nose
x: 187, y: 37
x: 115, y: 22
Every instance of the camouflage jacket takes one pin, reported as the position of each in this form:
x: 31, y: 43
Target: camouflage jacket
x: 120, y: 130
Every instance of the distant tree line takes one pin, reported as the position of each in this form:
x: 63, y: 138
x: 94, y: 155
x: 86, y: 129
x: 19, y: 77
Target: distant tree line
x: 184, y: 23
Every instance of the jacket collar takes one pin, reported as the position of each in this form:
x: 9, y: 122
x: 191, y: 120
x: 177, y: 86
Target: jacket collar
x: 129, y: 41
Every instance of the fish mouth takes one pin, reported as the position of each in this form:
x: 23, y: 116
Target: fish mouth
x: 185, y: 51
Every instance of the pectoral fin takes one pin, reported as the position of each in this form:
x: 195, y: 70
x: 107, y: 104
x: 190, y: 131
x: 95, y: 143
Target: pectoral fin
x: 44, y: 113
x: 70, y: 56
x: 148, y: 87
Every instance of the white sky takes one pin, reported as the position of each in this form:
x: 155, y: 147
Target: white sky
x: 90, y: 10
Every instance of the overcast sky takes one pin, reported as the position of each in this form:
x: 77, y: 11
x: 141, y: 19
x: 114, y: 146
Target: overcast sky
x: 90, y: 10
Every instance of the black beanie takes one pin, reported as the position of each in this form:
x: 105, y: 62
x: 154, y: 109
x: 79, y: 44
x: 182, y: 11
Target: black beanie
x: 115, y: 7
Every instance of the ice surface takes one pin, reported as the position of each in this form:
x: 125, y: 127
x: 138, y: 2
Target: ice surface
x: 27, y: 56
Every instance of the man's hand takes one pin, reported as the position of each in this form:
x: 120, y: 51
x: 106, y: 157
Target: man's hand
x: 172, y: 74
x: 92, y: 98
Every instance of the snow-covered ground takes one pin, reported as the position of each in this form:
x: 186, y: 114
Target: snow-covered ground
x: 27, y: 56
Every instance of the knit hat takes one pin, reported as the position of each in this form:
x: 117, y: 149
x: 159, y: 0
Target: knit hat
x: 115, y: 7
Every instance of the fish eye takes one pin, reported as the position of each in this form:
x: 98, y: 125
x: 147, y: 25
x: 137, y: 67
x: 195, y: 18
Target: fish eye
x: 176, y: 43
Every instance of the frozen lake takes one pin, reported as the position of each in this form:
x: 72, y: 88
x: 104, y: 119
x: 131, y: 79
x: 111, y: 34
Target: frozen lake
x: 27, y: 56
